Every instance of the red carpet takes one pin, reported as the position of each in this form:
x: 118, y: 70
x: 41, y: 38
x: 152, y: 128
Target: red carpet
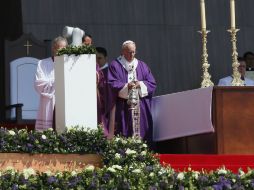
x: 208, y: 162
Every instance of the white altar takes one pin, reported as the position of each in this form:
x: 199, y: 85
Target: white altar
x: 76, y: 96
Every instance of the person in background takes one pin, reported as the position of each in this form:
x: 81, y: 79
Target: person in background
x: 44, y: 85
x: 104, y: 90
x: 87, y: 40
x: 242, y: 70
x: 101, y: 57
x: 249, y: 59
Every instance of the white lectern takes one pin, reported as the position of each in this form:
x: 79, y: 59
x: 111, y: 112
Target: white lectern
x: 76, y: 96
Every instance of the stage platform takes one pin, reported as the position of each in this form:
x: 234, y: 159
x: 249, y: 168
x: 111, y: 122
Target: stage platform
x: 207, y: 161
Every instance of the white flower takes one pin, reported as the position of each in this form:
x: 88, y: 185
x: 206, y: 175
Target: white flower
x: 27, y: 172
x: 151, y: 174
x: 138, y: 141
x: 117, y: 167
x: 59, y: 174
x: 241, y: 173
x: 71, y: 129
x: 21, y: 131
x: 143, y: 153
x: 10, y: 168
x: 222, y: 171
x: 117, y: 139
x: 73, y: 173
x: 129, y: 151
x: 89, y: 167
x: 136, y: 171
x: 195, y: 174
x: 111, y: 170
x: 12, y: 133
x: 180, y: 176
x: 48, y: 173
x: 162, y: 171
x: 44, y: 137
x: 144, y: 145
x: 233, y: 180
x: 50, y: 129
x: 124, y: 141
x: 117, y: 156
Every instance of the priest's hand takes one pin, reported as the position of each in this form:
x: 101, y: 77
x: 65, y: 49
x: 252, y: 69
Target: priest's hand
x: 131, y: 85
x: 137, y: 84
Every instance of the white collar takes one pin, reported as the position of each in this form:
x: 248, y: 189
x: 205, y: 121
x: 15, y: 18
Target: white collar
x: 104, y: 66
x: 129, y: 66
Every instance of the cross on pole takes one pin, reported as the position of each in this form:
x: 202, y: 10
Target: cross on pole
x: 27, y: 45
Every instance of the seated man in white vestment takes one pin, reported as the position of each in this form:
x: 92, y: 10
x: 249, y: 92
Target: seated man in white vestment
x: 242, y: 70
x: 44, y: 85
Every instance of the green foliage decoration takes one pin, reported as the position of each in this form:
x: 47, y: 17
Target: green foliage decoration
x: 77, y: 50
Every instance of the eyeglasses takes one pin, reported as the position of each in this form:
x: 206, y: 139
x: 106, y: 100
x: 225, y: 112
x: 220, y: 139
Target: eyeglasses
x: 131, y: 52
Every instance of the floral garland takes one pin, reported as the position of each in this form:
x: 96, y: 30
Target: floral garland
x: 128, y: 164
x: 77, y: 50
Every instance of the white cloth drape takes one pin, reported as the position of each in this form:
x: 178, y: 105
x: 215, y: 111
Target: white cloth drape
x: 44, y: 85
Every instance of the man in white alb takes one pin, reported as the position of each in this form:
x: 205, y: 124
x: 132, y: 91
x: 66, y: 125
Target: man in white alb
x: 44, y: 85
x: 227, y: 81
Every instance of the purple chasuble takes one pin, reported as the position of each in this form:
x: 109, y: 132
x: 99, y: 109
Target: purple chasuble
x: 106, y: 96
x: 100, y: 102
x: 117, y: 77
